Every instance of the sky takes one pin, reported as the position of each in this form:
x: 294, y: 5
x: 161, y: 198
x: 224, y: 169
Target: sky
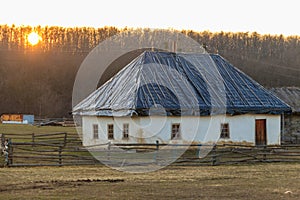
x: 262, y: 16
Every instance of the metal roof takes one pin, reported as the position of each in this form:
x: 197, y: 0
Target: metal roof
x: 180, y: 84
x: 290, y: 95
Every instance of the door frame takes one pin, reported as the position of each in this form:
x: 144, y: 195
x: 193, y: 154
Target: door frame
x: 259, y: 140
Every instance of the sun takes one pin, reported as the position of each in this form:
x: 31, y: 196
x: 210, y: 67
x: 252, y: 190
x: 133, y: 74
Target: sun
x: 33, y: 38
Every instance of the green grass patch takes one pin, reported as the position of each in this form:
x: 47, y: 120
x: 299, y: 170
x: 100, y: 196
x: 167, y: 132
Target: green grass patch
x: 29, y: 129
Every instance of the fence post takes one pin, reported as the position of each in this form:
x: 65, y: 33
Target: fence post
x: 214, y: 156
x: 2, y: 139
x: 265, y: 153
x: 157, y: 149
x: 59, y: 156
x: 199, y: 151
x: 108, y: 151
x: 33, y: 140
x: 9, y: 155
x: 65, y: 139
x: 174, y: 151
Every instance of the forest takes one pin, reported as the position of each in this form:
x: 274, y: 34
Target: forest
x: 39, y: 79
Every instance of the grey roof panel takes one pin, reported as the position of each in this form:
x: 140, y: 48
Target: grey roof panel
x: 164, y: 83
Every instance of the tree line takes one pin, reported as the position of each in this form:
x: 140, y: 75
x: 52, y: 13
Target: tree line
x: 39, y: 79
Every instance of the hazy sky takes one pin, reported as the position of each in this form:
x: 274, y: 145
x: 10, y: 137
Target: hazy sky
x: 263, y: 16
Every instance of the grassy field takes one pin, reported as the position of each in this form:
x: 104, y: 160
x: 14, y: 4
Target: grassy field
x: 247, y: 181
x: 28, y: 129
x: 260, y: 181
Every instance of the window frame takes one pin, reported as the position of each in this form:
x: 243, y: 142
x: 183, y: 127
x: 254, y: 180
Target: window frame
x: 125, y: 131
x: 95, y: 131
x: 224, y: 131
x: 110, y: 131
x: 175, y: 127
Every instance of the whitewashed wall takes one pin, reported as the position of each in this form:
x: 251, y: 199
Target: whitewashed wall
x: 193, y: 129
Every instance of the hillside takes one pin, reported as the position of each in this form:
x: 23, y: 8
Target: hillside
x: 39, y: 79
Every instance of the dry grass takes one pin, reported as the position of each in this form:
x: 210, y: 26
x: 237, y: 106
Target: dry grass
x: 257, y: 181
x: 260, y: 181
x: 28, y: 129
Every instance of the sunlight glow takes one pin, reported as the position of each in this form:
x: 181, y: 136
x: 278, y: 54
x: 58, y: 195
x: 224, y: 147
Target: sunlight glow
x: 264, y: 17
x: 33, y: 38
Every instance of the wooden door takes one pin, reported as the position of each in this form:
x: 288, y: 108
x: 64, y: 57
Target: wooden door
x: 260, y: 132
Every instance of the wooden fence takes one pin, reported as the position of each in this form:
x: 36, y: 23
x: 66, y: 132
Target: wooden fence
x: 53, y: 149
x: 60, y: 149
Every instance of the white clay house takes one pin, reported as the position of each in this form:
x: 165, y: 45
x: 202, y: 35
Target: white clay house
x: 172, y: 98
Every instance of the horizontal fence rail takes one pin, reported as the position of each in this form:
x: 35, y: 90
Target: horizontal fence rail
x: 61, y: 149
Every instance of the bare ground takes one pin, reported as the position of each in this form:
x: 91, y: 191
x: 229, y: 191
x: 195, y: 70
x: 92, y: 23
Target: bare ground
x: 259, y: 181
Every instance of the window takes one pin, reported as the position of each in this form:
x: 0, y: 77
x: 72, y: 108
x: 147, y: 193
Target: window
x: 125, y: 131
x: 175, y: 131
x: 110, y: 131
x: 225, y: 131
x: 95, y: 131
